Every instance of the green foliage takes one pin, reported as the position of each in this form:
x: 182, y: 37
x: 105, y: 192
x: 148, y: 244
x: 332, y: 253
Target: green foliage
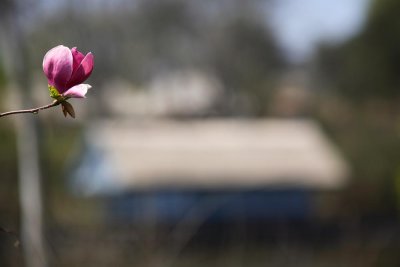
x: 364, y: 73
x: 247, y: 60
x: 368, y: 66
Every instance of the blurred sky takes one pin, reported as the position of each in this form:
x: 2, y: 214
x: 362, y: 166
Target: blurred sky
x: 300, y: 25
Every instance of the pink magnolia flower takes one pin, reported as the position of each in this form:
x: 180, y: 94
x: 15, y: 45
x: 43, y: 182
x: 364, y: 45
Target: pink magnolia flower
x: 66, y: 70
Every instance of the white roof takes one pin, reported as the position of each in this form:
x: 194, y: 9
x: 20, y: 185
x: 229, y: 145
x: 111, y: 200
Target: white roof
x: 219, y: 154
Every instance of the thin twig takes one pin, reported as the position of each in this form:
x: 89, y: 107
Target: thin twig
x: 33, y: 110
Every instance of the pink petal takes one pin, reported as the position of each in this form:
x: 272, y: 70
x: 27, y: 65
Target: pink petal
x: 83, y: 71
x: 78, y: 91
x: 78, y: 56
x: 57, y: 66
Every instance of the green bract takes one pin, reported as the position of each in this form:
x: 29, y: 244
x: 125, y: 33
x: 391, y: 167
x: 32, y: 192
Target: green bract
x: 55, y: 94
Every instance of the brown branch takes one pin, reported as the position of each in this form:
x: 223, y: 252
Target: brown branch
x: 33, y: 110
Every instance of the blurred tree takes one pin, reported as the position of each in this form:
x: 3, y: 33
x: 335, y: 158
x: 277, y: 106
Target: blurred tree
x: 247, y: 60
x: 368, y: 66
x: 16, y: 60
x: 363, y: 75
x: 138, y: 42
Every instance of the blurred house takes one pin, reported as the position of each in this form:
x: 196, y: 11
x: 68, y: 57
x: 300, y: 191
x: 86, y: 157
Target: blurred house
x: 173, y: 93
x: 214, y: 170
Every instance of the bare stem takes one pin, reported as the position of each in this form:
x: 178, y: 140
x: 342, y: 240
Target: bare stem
x: 33, y: 110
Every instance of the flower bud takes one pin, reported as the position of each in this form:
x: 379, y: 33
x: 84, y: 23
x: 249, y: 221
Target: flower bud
x: 66, y: 70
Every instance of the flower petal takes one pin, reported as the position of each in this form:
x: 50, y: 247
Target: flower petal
x: 78, y: 91
x: 57, y: 66
x: 83, y: 71
x: 78, y: 56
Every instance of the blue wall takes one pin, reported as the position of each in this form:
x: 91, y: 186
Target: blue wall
x: 171, y: 206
